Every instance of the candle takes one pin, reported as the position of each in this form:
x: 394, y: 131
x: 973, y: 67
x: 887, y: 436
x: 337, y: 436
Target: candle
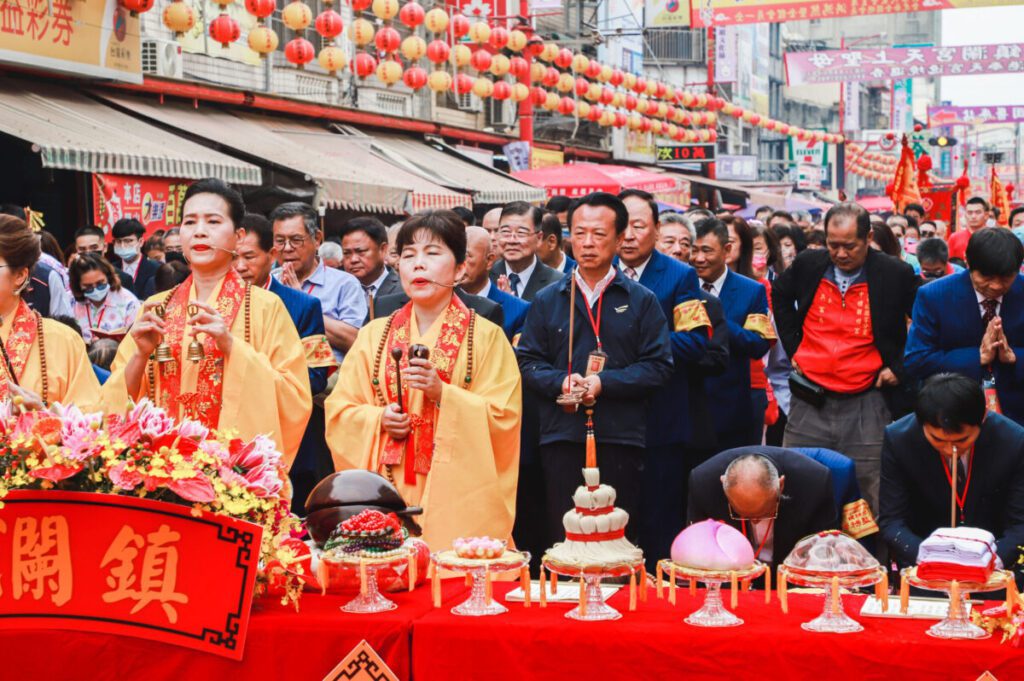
x: 543, y: 589
x: 553, y: 581
x: 693, y: 587
x: 672, y: 584
x: 469, y: 579
x: 733, y: 587
x: 660, y: 588
x: 835, y: 595
x: 524, y: 583
x: 642, y: 577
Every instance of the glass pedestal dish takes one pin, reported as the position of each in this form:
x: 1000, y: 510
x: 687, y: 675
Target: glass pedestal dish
x: 592, y: 607
x: 713, y: 612
x: 480, y: 570
x: 833, y: 618
x: 957, y: 624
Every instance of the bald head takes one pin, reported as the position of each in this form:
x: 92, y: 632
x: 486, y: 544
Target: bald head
x: 753, y: 486
x: 490, y: 222
x: 478, y: 259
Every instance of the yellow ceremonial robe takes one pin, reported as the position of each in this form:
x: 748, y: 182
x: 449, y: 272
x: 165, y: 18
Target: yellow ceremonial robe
x: 266, y: 383
x: 70, y: 377
x: 471, y: 487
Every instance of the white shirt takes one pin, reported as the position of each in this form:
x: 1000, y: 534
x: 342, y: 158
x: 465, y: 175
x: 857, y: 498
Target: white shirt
x: 981, y: 299
x: 560, y: 267
x: 760, y: 528
x: 485, y: 290
x: 130, y: 268
x: 639, y: 268
x: 375, y: 286
x: 592, y: 295
x: 524, y: 276
x: 716, y: 285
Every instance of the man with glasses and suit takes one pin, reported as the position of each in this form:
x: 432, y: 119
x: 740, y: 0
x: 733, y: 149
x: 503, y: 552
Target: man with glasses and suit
x: 520, y: 272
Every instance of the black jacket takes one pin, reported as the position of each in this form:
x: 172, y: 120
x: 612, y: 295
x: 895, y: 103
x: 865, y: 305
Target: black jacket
x: 714, y: 363
x: 542, y: 276
x: 808, y: 502
x: 488, y: 309
x: 144, y: 284
x: 892, y: 286
x: 914, y: 499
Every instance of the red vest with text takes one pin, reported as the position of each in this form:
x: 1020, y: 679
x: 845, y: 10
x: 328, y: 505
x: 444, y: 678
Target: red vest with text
x: 838, y: 349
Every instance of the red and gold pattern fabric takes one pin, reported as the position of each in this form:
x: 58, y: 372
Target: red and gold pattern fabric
x: 690, y: 315
x: 24, y: 329
x: 858, y: 521
x: 204, y: 404
x: 420, y: 442
x: 760, y: 324
x: 318, y: 352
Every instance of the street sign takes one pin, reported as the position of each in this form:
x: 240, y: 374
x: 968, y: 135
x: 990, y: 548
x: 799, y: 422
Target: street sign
x: 686, y: 153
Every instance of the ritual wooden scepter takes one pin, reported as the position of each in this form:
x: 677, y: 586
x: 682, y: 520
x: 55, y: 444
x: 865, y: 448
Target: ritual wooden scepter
x: 396, y: 354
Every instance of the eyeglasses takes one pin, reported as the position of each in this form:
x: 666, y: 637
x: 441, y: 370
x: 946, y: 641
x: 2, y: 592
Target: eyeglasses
x: 736, y: 516
x: 521, y: 233
x: 294, y: 242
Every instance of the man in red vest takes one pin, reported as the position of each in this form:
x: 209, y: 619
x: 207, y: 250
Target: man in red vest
x: 841, y: 314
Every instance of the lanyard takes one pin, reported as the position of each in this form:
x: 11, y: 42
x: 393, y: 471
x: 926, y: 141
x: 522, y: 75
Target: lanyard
x: 596, y: 325
x: 88, y: 312
x: 310, y: 289
x: 764, y: 540
x: 960, y: 500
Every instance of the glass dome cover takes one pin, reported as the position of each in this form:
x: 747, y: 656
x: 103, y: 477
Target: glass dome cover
x: 830, y: 553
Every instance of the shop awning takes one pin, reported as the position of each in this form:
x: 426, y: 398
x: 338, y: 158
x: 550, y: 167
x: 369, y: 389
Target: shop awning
x: 74, y: 132
x: 487, y: 185
x: 580, y: 179
x: 875, y: 204
x: 349, y: 184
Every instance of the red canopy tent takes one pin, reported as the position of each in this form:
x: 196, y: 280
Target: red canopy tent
x: 875, y: 204
x: 579, y: 179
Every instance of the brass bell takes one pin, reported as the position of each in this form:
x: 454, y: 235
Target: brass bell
x: 163, y: 352
x: 195, y: 353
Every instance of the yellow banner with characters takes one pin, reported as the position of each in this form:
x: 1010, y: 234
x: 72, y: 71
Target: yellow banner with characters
x: 690, y: 315
x: 761, y: 325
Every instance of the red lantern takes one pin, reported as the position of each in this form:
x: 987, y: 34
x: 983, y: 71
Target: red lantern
x: 737, y: 112
x: 631, y: 102
x: 462, y: 84
x: 607, y: 95
x: 414, y: 77
x: 459, y: 25
x: 918, y: 127
x: 645, y: 124
x: 481, y: 60
x: 502, y: 90
x: 660, y: 89
x: 755, y: 119
x: 1010, y: 188
x: 261, y: 9
x: 712, y: 135
x: 438, y: 51
x: 564, y: 58
x: 361, y: 5
x: 770, y: 124
x: 593, y: 69
x: 595, y: 114
x: 620, y: 120
x: 519, y: 68
x: 538, y: 96
x: 225, y: 30
x: 363, y: 65
x: 582, y: 86
x: 299, y: 51
x: 328, y: 23
x: 534, y: 46
x: 387, y: 39
x: 924, y: 163
x: 499, y: 38
x: 566, y: 106
x: 617, y: 77
x: 412, y: 14
x: 137, y: 7
x: 640, y: 86
x: 550, y: 78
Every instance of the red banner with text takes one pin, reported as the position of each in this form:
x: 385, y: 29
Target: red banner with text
x: 128, y: 566
x: 938, y: 203
x: 154, y: 201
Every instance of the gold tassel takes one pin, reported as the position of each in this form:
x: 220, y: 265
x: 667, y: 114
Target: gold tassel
x: 734, y: 598
x: 632, y: 592
x: 672, y: 584
x: 583, y: 597
x: 543, y: 589
x: 412, y: 570
x: 658, y: 585
x: 767, y: 585
x: 783, y: 596
x: 904, y: 595
x: 524, y: 583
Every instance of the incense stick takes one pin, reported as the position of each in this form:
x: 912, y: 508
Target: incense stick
x: 572, y: 325
x: 954, y: 465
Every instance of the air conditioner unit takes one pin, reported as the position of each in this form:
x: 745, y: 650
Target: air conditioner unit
x: 469, y: 102
x: 499, y: 113
x: 162, y: 58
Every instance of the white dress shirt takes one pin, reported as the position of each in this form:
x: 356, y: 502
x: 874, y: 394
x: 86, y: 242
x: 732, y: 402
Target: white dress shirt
x: 639, y: 269
x: 981, y: 299
x: 716, y: 285
x: 524, y: 276
x: 593, y: 295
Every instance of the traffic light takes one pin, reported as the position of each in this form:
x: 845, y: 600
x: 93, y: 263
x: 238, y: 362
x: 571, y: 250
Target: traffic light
x: 942, y: 141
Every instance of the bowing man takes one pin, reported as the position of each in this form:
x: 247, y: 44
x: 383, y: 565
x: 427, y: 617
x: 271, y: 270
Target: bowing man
x: 252, y: 377
x: 950, y: 427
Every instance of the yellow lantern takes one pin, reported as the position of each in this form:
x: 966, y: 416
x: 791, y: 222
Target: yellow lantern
x: 519, y: 92
x: 702, y: 100
x: 582, y: 109
x: 385, y: 9
x: 652, y: 87
x: 711, y: 117
x: 728, y: 108
x: 549, y: 52
x: 551, y: 103
x: 643, y: 104
x: 537, y: 71
x: 579, y: 63
x: 461, y: 55
x: 607, y: 118
x: 262, y: 40
x: 605, y: 74
x: 179, y: 17
x: 483, y: 88
x: 634, y: 121
x: 297, y: 15
x: 671, y: 130
x: 332, y: 58
x: 500, y: 65
x: 389, y: 72
x: 439, y: 81
x: 662, y: 110
x: 361, y: 32
x: 480, y: 32
x: 629, y: 81
x: 656, y: 127
x: 436, y: 21
x: 670, y: 92
x: 594, y: 92
x: 619, y: 100
x: 516, y: 40
x: 748, y: 115
x: 414, y: 47
x: 565, y: 83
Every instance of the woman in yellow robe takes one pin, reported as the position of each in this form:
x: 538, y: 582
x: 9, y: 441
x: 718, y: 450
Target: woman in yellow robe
x: 453, y: 446
x: 252, y: 377
x: 47, y: 359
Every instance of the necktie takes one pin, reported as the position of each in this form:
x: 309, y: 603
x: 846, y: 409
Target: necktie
x: 990, y: 310
x: 513, y: 280
x: 708, y: 286
x: 369, y: 298
x: 631, y: 273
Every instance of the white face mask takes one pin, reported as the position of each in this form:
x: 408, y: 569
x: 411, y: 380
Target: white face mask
x: 98, y: 294
x: 126, y: 253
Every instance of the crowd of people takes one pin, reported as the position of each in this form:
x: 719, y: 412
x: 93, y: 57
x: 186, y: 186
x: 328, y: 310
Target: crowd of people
x: 782, y: 373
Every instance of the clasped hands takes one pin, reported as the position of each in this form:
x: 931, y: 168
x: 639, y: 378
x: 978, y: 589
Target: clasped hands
x: 421, y: 374
x: 590, y: 386
x: 995, y: 346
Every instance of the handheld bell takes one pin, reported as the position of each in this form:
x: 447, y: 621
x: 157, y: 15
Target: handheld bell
x: 163, y: 352
x: 195, y: 351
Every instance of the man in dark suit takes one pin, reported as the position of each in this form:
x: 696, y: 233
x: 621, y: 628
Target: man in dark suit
x: 521, y: 272
x: 479, y: 260
x: 128, y: 234
x: 949, y: 428
x: 775, y: 496
x: 550, y: 250
x: 745, y: 304
x: 256, y: 253
x: 364, y: 246
x: 668, y: 425
x: 973, y: 322
x: 702, y: 443
x: 488, y: 309
x: 626, y: 357
x: 842, y: 315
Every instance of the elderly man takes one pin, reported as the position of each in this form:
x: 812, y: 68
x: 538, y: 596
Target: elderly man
x: 491, y: 221
x: 774, y: 496
x: 476, y: 280
x: 521, y: 272
x: 297, y: 235
x: 331, y: 254
x: 676, y: 236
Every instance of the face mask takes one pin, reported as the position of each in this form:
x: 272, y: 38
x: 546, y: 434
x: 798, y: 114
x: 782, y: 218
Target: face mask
x: 759, y: 260
x: 97, y: 294
x: 126, y: 253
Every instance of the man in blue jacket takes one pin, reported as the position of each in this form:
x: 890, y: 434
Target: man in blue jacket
x: 745, y: 303
x: 255, y: 259
x: 620, y: 343
x: 667, y: 463
x: 973, y: 322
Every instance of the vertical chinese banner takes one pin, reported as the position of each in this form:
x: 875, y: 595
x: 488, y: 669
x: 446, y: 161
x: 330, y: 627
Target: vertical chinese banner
x: 153, y: 201
x: 98, y: 38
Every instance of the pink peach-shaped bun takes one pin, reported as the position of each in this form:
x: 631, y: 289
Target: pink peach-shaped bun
x: 712, y: 545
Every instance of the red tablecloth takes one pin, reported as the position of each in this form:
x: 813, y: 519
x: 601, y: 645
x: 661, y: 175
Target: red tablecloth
x: 281, y: 644
x: 654, y: 643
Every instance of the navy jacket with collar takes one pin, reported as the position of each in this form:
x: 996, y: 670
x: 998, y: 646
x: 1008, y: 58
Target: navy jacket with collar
x: 635, y: 337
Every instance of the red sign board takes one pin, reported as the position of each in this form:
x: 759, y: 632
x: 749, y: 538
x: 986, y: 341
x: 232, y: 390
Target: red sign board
x: 938, y: 204
x: 155, y: 201
x: 128, y: 566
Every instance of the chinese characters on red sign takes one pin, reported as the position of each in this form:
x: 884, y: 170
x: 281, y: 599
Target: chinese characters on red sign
x: 155, y: 201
